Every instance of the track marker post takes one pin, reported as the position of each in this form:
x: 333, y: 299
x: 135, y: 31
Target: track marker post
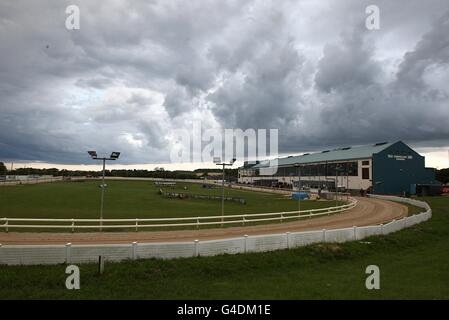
x: 246, y: 239
x: 134, y: 250
x: 68, y: 253
x: 100, y: 264
x: 195, y: 248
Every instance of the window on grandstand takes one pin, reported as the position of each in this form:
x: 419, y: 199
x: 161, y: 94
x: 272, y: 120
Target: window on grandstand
x: 365, y: 173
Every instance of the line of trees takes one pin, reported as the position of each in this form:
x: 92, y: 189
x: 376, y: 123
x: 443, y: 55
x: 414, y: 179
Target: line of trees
x: 157, y: 173
x: 108, y: 173
x: 3, y: 170
x: 442, y: 175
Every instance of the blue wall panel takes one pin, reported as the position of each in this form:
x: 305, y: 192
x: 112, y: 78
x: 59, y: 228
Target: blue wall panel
x: 396, y: 168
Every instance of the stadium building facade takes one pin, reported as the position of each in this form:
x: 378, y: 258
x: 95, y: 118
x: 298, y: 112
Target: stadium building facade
x: 383, y: 168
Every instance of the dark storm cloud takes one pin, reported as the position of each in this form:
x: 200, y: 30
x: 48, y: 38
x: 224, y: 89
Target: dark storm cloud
x: 136, y: 71
x: 405, y: 108
x: 347, y: 65
x: 431, y: 50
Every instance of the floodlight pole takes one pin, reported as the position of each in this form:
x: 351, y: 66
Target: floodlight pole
x: 337, y: 168
x: 222, y: 187
x: 113, y: 156
x: 299, y: 187
x: 347, y: 181
x: 222, y: 195
x: 102, y: 194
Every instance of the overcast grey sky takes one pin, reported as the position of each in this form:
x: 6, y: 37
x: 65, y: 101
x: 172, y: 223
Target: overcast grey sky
x: 137, y: 70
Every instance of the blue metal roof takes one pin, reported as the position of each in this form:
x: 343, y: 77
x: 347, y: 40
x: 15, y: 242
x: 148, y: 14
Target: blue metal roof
x: 348, y: 153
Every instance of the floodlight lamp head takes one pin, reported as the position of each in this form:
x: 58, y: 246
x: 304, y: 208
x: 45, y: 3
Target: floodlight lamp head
x: 93, y: 154
x: 114, y: 155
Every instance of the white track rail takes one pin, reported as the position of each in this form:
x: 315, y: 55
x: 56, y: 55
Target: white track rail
x: 73, y: 224
x: 68, y: 253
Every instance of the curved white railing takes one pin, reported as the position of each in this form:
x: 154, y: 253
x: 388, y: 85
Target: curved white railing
x: 68, y: 253
x: 73, y: 224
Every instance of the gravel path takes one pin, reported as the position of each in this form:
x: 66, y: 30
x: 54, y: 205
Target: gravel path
x: 367, y: 212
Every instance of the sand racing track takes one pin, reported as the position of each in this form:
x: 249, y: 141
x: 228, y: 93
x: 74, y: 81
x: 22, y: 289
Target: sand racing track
x: 368, y: 211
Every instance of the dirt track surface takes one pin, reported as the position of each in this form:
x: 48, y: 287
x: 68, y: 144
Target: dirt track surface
x: 367, y: 212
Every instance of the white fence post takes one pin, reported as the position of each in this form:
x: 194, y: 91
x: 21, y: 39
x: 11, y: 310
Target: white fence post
x: 355, y: 232
x: 134, y: 250
x: 246, y: 239
x: 68, y: 253
x: 381, y: 228
x: 198, y: 222
x: 287, y: 235
x: 195, y: 248
x: 6, y: 224
x: 324, y: 235
x: 73, y: 225
x: 137, y: 224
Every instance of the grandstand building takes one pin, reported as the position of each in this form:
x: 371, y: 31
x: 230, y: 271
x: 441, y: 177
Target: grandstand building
x: 383, y: 168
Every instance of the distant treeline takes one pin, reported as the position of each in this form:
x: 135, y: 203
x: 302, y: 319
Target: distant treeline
x: 177, y: 174
x: 442, y: 175
x: 108, y: 173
